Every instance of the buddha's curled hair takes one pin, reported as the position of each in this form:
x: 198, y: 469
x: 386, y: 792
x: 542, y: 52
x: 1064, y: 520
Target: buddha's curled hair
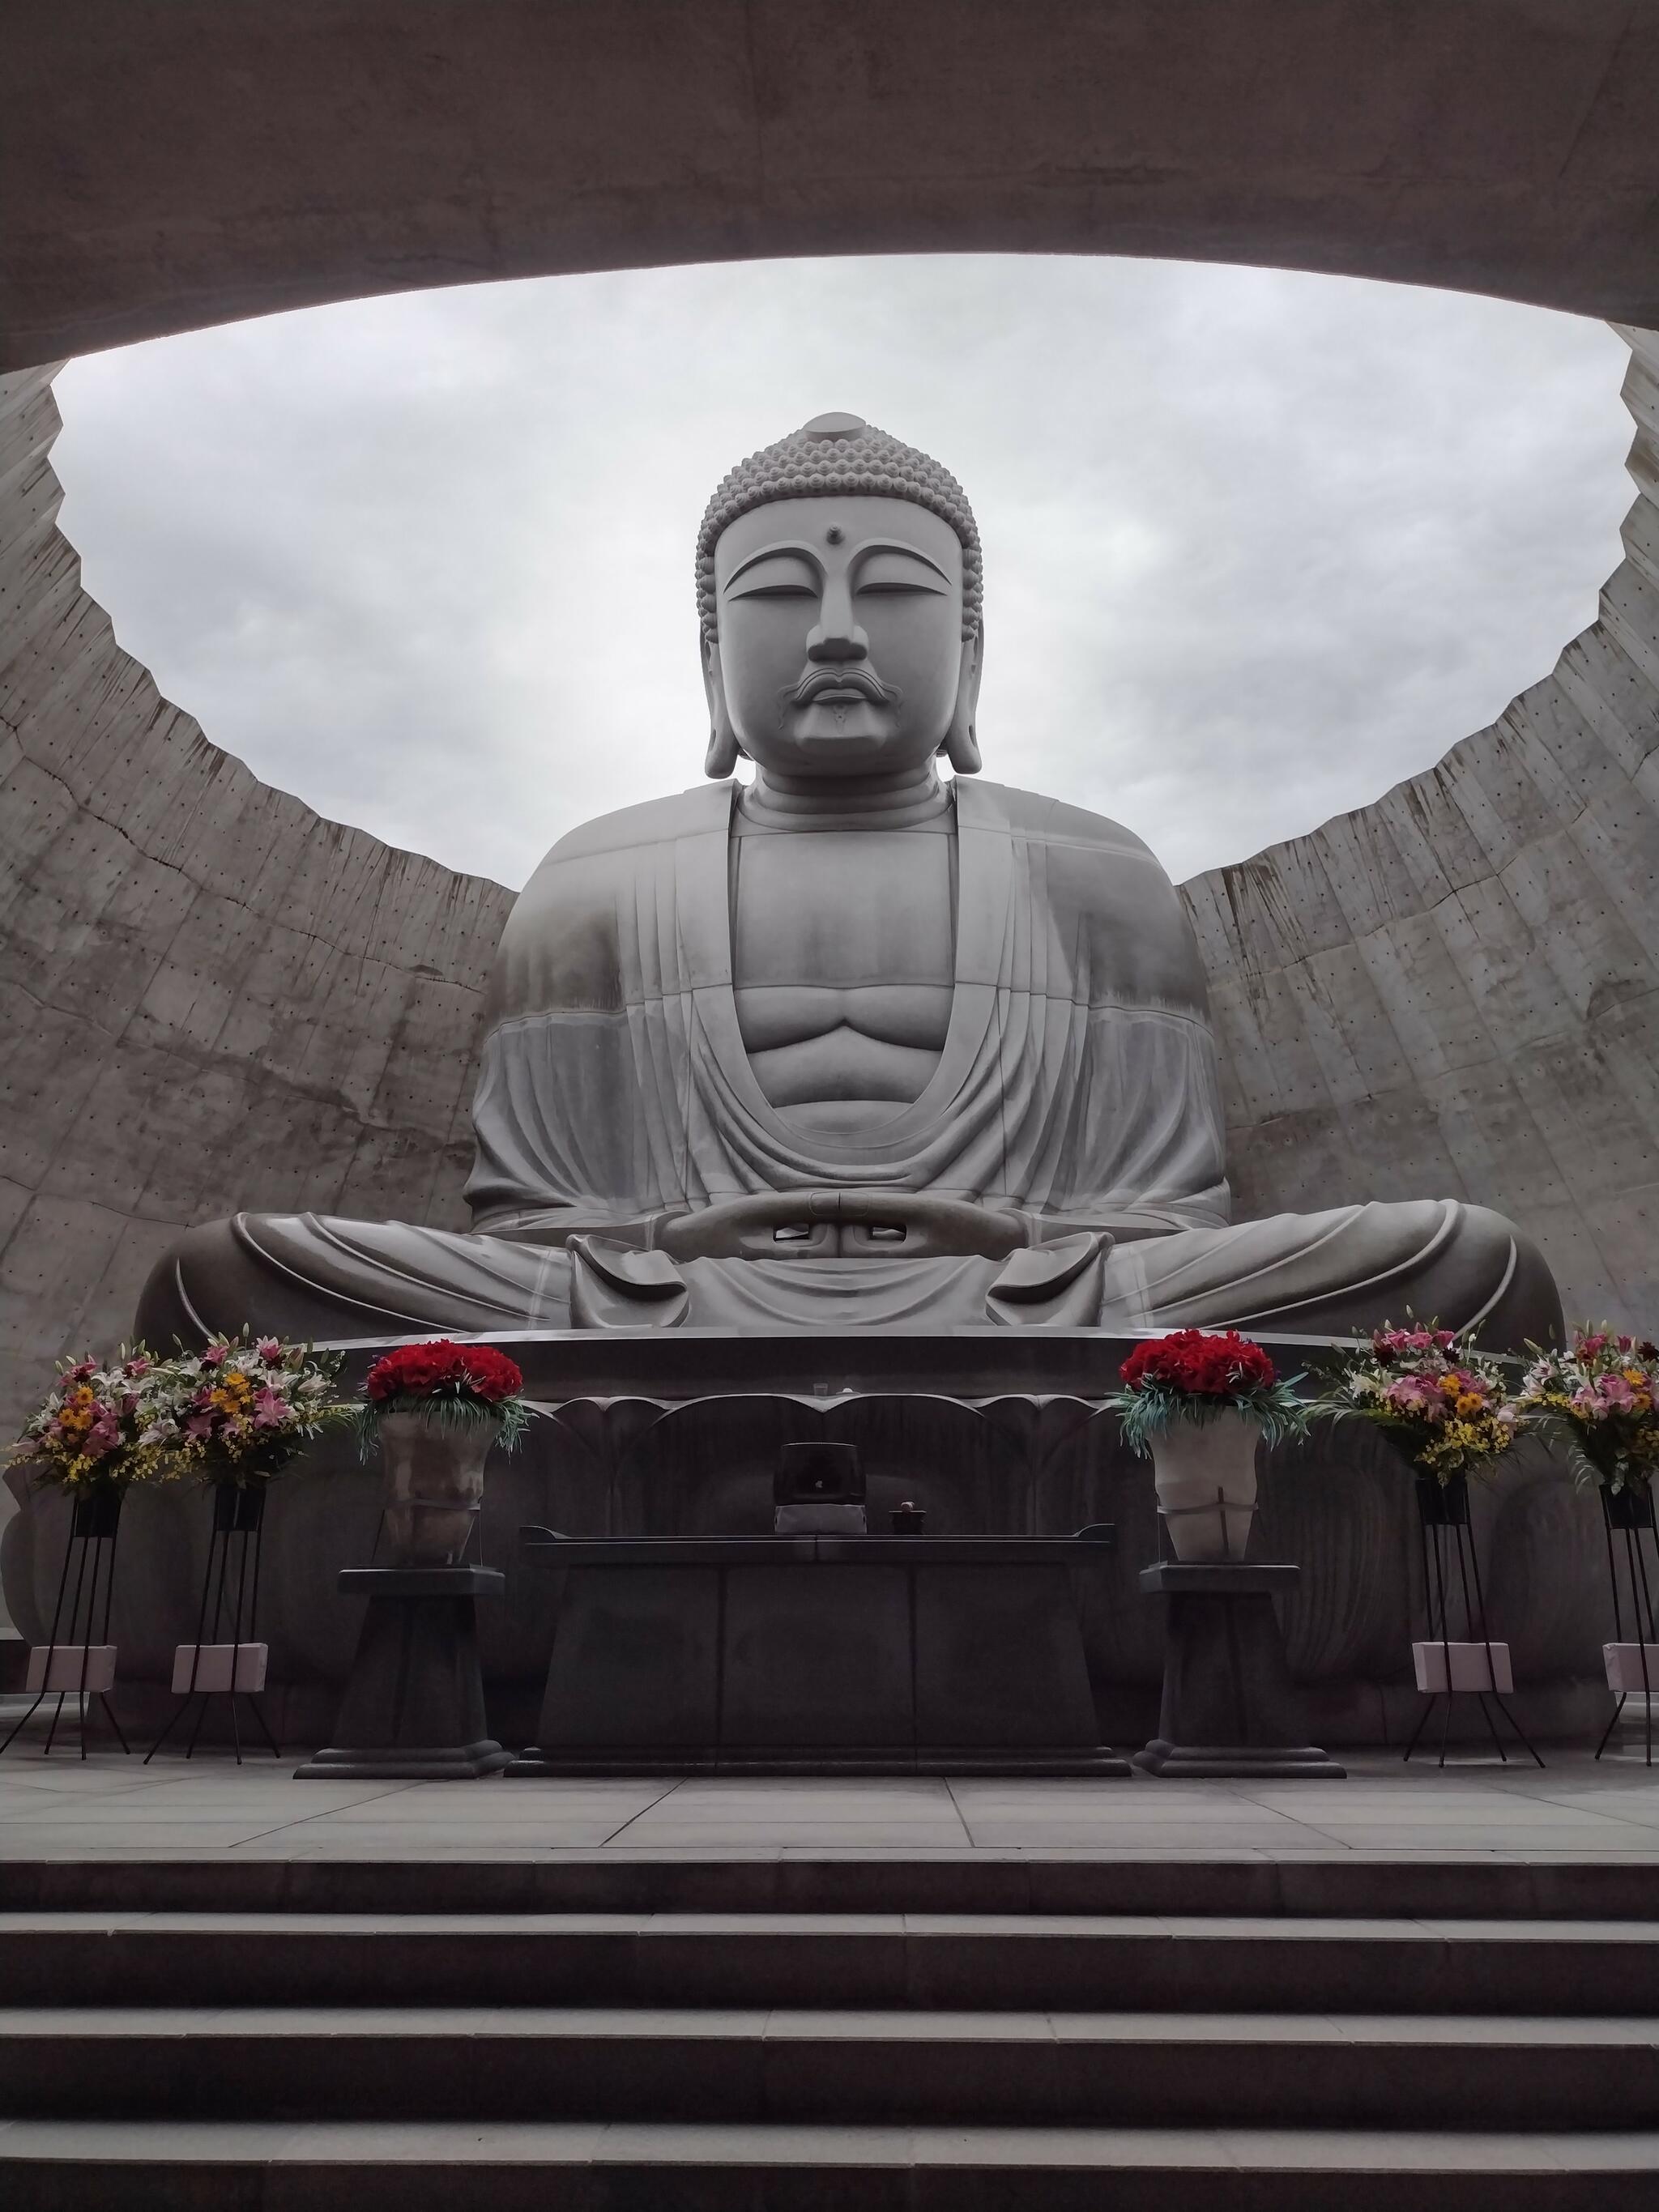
x: 839, y: 454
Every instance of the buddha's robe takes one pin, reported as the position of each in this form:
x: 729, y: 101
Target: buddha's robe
x: 1076, y: 1098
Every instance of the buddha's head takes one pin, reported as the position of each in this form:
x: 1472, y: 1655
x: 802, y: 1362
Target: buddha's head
x: 838, y: 584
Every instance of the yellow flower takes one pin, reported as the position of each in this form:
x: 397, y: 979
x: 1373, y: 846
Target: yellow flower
x: 1469, y: 1401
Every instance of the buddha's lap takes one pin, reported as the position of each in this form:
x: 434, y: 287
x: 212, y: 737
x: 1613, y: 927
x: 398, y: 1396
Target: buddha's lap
x: 1329, y: 1274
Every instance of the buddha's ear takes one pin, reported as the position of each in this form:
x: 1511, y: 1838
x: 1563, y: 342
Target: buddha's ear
x: 960, y: 746
x: 724, y: 750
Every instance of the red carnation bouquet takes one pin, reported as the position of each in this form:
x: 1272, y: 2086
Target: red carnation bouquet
x: 463, y: 1386
x: 1192, y: 1376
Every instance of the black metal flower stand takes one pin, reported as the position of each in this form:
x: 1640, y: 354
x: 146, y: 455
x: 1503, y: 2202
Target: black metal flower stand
x: 86, y: 1588
x: 232, y: 1595
x: 1452, y: 1570
x: 1628, y: 1514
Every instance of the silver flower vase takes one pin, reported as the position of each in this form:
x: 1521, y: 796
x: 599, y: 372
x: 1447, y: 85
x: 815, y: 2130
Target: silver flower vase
x: 1205, y: 1472
x: 435, y: 1480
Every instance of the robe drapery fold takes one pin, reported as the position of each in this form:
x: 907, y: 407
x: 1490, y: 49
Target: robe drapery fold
x: 1078, y: 1077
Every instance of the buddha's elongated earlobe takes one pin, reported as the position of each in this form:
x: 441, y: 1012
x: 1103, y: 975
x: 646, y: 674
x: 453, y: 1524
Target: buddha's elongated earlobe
x: 960, y: 746
x: 724, y: 751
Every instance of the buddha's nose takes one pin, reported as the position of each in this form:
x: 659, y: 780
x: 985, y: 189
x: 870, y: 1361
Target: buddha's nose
x: 836, y: 636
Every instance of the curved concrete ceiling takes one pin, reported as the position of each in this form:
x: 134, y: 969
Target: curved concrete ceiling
x: 172, y: 163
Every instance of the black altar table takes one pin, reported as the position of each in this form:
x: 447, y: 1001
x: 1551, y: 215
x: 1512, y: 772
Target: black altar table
x: 817, y: 1655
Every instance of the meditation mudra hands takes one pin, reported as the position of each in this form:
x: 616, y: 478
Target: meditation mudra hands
x: 827, y: 1225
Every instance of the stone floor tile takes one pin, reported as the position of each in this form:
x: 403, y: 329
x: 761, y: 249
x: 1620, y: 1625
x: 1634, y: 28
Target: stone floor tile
x: 420, y: 1840
x: 750, y: 2143
x: 33, y: 1840
x: 1071, y: 2147
x: 1137, y: 1837
x: 442, y: 2143
x: 1569, y: 1839
x: 1636, y: 2150
x: 1193, y: 2027
x: 791, y: 2026
x: 1390, y: 2150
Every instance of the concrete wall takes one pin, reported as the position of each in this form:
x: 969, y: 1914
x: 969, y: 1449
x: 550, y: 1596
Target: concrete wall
x: 1453, y: 991
x: 209, y: 995
x: 167, y: 163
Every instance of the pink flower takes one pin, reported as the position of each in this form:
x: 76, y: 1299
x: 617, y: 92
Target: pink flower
x: 1413, y: 1393
x: 269, y: 1349
x: 269, y: 1411
x: 198, y: 1425
x: 1615, y: 1391
x: 136, y: 1367
x: 1586, y: 1401
x: 1588, y: 1346
x: 214, y: 1356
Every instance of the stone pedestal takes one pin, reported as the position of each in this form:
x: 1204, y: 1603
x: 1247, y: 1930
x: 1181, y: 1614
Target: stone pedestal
x: 413, y: 1709
x: 1230, y: 1708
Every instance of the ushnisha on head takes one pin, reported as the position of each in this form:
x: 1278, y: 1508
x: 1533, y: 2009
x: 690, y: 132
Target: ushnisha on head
x: 840, y: 587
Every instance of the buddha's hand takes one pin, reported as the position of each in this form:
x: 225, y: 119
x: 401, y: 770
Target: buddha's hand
x: 840, y: 1224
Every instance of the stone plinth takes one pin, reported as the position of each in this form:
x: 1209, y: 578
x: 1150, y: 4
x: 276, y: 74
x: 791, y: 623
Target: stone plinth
x: 1229, y: 1707
x: 414, y: 1707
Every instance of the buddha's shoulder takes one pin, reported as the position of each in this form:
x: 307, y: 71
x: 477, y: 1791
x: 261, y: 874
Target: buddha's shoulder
x: 560, y: 946
x: 585, y: 868
x: 1106, y: 890
x: 1031, y: 814
x: 1039, y: 820
x: 648, y: 822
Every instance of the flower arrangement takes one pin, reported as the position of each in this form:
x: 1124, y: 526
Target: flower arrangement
x: 1192, y: 1376
x: 1447, y: 1408
x: 238, y: 1411
x: 1601, y: 1398
x: 235, y: 1411
x: 104, y: 1425
x: 460, y: 1386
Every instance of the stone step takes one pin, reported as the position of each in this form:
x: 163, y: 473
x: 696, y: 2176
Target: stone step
x: 1106, y: 2069
x: 929, y: 1962
x: 1337, y: 1884
x: 591, y: 2167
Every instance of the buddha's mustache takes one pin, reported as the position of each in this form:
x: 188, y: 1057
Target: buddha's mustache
x: 853, y: 676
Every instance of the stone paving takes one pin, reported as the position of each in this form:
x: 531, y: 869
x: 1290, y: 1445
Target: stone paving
x: 63, y: 1808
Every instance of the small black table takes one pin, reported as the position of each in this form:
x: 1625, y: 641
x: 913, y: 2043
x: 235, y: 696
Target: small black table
x: 817, y: 1655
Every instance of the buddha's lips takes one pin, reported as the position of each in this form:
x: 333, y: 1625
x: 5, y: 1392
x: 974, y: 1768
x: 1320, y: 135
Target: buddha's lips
x: 864, y: 683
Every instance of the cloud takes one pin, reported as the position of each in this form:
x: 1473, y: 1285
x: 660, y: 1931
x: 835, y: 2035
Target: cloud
x: 1257, y: 544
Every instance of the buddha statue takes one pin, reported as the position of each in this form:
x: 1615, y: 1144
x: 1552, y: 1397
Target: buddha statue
x: 848, y: 1044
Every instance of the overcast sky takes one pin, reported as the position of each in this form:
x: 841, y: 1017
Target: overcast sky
x: 1256, y: 544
